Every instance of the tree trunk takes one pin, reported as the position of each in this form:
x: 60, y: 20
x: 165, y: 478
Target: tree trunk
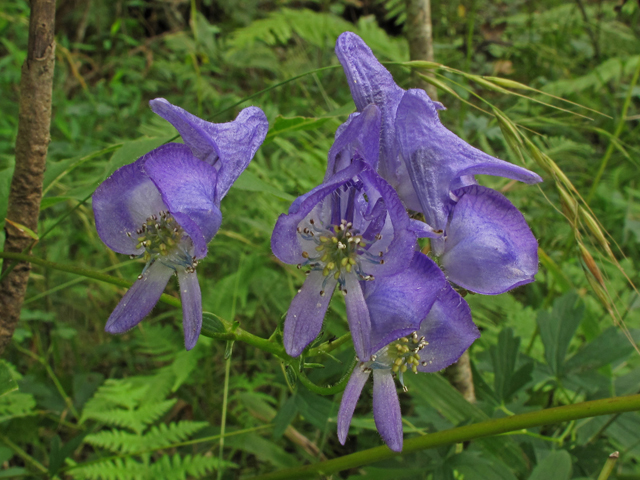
x: 32, y: 142
x: 420, y: 37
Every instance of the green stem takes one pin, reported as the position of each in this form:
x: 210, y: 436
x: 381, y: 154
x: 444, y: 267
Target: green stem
x: 22, y: 454
x: 223, y: 421
x: 608, y: 466
x: 329, y: 346
x: 465, y: 433
x: 329, y: 390
x: 612, y: 144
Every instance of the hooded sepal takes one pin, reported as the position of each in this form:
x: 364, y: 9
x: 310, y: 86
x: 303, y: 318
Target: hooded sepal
x: 489, y: 247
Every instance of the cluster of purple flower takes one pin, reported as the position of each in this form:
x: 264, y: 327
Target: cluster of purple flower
x: 353, y: 231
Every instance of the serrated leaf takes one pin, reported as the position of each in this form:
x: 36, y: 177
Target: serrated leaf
x: 16, y: 404
x: 558, y: 327
x: 504, y: 355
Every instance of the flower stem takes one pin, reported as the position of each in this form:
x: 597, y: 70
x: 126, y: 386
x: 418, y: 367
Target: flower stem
x: 465, y: 433
x: 331, y: 389
x: 608, y: 466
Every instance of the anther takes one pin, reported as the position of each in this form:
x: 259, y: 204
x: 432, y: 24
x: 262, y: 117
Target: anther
x: 298, y: 266
x: 311, y: 221
x: 140, y: 277
x: 305, y: 255
x: 378, y: 237
x: 129, y: 234
x: 322, y: 293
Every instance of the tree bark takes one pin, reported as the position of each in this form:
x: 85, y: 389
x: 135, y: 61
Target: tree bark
x: 420, y: 37
x: 32, y: 142
x: 460, y: 376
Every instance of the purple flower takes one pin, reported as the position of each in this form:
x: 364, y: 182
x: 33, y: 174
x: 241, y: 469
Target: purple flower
x: 419, y: 324
x: 350, y: 228
x: 166, y: 207
x: 433, y: 171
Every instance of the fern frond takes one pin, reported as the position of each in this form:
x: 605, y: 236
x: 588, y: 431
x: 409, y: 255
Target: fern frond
x: 116, y: 469
x: 125, y: 393
x: 166, y: 468
x: 318, y: 29
x: 135, y: 419
x: 177, y: 467
x: 119, y: 441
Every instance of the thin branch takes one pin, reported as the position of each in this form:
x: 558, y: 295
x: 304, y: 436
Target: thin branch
x: 32, y: 142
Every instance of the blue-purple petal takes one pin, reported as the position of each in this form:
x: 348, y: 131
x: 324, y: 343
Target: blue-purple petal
x: 449, y: 330
x: 122, y: 203
x: 386, y: 409
x: 350, y: 398
x: 360, y: 139
x: 188, y: 187
x: 489, y: 247
x: 358, y: 317
x: 306, y: 312
x: 423, y: 230
x: 140, y: 299
x: 371, y: 83
x: 229, y: 146
x: 438, y: 161
x: 191, y: 307
x: 284, y: 240
x: 399, y: 251
x: 398, y: 304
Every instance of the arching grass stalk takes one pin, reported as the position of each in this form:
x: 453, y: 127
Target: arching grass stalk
x: 466, y: 433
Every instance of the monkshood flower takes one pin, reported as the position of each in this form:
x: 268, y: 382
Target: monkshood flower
x: 419, y: 324
x: 166, y: 208
x: 428, y: 165
x: 487, y: 246
x: 350, y: 229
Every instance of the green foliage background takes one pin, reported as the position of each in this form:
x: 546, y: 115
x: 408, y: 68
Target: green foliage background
x: 95, y: 406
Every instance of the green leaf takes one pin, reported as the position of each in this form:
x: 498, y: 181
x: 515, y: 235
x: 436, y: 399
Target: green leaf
x: 557, y: 329
x: 51, y: 201
x: 505, y: 355
x: 435, y: 391
x: 285, y: 416
x: 14, y: 472
x: 285, y: 125
x: 556, y: 466
x: 7, y: 383
x: 211, y: 325
x: 131, y: 151
x: 609, y: 347
x: 249, y: 182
